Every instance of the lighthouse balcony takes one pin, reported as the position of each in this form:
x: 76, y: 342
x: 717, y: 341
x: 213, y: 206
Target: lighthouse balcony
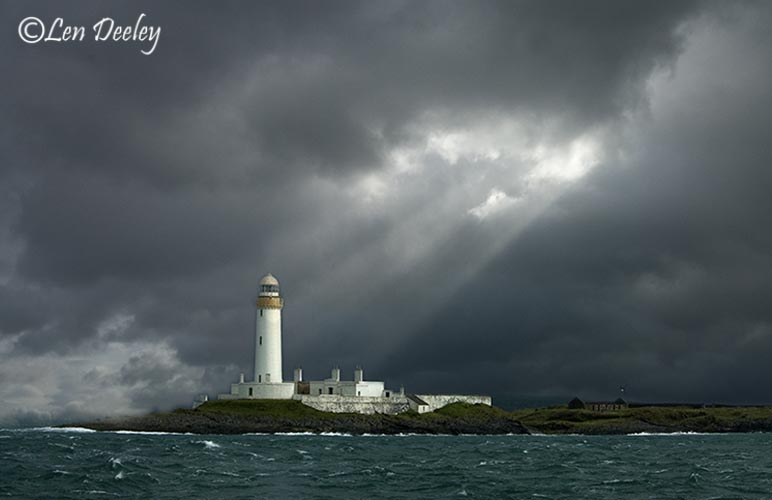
x: 270, y: 302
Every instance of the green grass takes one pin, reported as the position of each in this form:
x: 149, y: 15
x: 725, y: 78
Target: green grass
x: 703, y: 416
x: 467, y: 410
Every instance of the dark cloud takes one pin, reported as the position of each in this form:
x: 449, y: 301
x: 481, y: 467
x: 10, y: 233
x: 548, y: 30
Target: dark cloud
x: 344, y: 147
x: 654, y: 275
x: 81, y: 230
x: 326, y: 86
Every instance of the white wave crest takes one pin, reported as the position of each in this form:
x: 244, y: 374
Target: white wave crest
x: 153, y: 433
x: 678, y: 433
x: 59, y: 429
x: 331, y: 434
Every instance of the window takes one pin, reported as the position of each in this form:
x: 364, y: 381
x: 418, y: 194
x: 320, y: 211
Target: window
x: 250, y: 391
x: 261, y: 313
x: 387, y: 394
x: 261, y: 340
x: 330, y: 390
x: 259, y: 379
x: 320, y: 391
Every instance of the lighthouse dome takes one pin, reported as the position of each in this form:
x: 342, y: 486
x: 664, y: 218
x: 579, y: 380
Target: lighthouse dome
x: 269, y: 279
x: 269, y: 286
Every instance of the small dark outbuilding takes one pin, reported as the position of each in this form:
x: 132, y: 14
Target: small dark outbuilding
x: 576, y: 404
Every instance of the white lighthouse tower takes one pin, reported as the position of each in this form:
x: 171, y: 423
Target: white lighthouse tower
x: 268, y: 383
x: 268, y: 332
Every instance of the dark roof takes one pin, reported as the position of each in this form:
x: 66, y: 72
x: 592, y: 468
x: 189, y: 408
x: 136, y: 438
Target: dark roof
x: 417, y: 400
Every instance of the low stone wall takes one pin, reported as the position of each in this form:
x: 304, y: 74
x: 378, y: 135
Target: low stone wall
x: 356, y: 404
x: 391, y: 406
x: 437, y: 401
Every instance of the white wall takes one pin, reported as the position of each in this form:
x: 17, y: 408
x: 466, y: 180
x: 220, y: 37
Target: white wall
x: 260, y: 391
x: 346, y: 388
x: 370, y: 388
x: 268, y: 354
x: 322, y: 387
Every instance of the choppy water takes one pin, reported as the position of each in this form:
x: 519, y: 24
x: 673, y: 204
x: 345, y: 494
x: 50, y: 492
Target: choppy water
x: 56, y: 464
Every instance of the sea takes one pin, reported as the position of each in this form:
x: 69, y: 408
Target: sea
x: 77, y: 463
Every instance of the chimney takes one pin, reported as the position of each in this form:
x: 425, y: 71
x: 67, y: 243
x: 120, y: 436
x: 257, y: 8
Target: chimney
x: 241, y: 378
x: 298, y: 374
x: 402, y: 390
x: 358, y: 374
x: 336, y: 374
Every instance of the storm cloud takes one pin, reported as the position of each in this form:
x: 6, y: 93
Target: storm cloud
x: 527, y: 199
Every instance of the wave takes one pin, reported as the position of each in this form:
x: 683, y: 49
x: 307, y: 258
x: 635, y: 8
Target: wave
x: 57, y: 429
x: 345, y: 434
x: 676, y: 433
x: 209, y: 445
x: 153, y: 433
x: 339, y: 434
x: 366, y: 434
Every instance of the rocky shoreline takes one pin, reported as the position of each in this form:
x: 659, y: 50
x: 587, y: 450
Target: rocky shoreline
x: 647, y: 419
x: 349, y: 424
x: 243, y: 416
x: 635, y: 426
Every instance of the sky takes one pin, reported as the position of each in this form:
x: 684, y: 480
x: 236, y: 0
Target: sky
x: 531, y: 200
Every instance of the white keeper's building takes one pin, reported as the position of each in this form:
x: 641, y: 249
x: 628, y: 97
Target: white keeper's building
x: 331, y: 394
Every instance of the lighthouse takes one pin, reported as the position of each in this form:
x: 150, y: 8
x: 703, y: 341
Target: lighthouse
x: 331, y: 394
x: 268, y: 332
x: 268, y: 382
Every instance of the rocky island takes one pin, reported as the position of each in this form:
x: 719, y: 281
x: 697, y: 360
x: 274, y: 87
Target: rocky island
x: 651, y: 419
x: 273, y: 416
